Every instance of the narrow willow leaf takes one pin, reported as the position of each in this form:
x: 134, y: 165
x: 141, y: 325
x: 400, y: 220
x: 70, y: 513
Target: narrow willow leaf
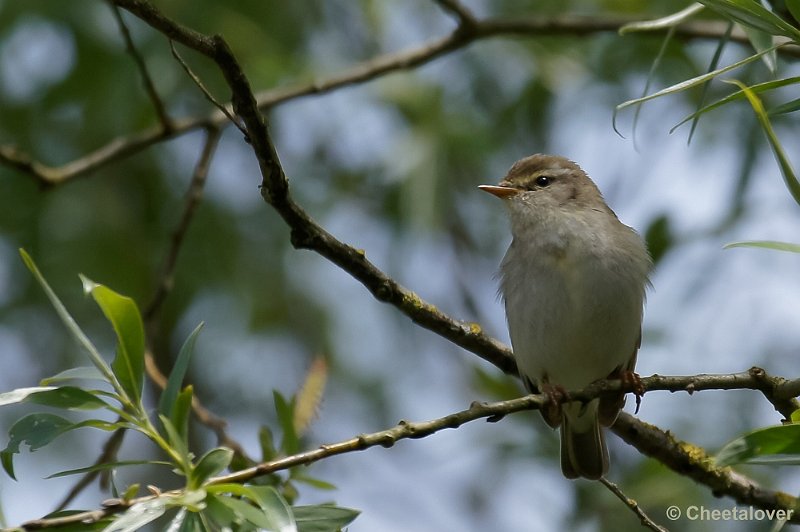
x: 35, y: 430
x: 252, y: 514
x: 788, y: 107
x: 309, y: 396
x: 290, y: 444
x: 21, y: 394
x: 768, y: 244
x: 107, y: 465
x: 276, y: 507
x: 689, y: 83
x: 220, y: 513
x: 297, y: 476
x: 706, y: 86
x: 210, y: 464
x: 177, y: 374
x: 738, y: 95
x: 78, y: 334
x: 89, y: 373
x: 126, y: 320
x: 763, y: 41
x: 178, y: 443
x: 650, y: 76
x: 782, y: 439
x: 323, y: 518
x: 794, y: 8
x: 180, y: 412
x: 670, y: 21
x: 753, y: 14
x: 789, y: 177
x: 68, y: 397
x: 139, y: 515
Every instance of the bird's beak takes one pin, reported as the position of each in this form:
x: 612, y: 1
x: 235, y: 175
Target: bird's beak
x: 499, y: 191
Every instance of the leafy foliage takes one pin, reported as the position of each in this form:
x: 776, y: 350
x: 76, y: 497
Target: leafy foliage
x: 203, y: 500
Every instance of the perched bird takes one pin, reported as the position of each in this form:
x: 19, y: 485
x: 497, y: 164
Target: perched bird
x: 573, y: 281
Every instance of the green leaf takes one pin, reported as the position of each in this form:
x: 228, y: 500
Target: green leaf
x: 177, y: 374
x: 779, y: 440
x: 83, y: 373
x: 763, y: 41
x: 706, y: 86
x: 256, y: 515
x: 323, y: 518
x: 738, y: 95
x: 139, y: 515
x: 210, y: 464
x: 794, y: 8
x: 753, y: 14
x: 275, y: 506
x: 670, y: 21
x: 179, y: 444
x: 273, y: 513
x: 298, y: 476
x: 267, y: 444
x: 68, y: 397
x: 689, y: 83
x: 222, y: 515
x: 124, y: 316
x: 67, y: 319
x: 796, y: 416
x: 180, y: 412
x: 35, y: 430
x: 789, y: 177
x: 21, y: 394
x: 768, y: 244
x: 105, y: 466
x: 285, y: 411
x: 788, y: 107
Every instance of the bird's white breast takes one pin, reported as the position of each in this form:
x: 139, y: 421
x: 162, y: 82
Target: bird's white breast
x: 573, y: 302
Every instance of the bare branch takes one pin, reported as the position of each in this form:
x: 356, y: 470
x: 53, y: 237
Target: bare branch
x: 685, y: 458
x: 367, y: 71
x: 693, y: 462
x: 210, y: 97
x: 193, y: 196
x: 633, y: 505
x: 147, y: 81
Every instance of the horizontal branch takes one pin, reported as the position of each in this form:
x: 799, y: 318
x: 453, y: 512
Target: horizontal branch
x: 692, y: 461
x: 464, y: 35
x: 683, y: 457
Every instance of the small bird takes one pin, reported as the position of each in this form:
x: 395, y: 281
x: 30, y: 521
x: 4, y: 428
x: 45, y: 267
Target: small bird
x: 573, y: 281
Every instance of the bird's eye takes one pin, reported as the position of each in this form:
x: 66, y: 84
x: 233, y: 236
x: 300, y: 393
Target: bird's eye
x: 543, y: 181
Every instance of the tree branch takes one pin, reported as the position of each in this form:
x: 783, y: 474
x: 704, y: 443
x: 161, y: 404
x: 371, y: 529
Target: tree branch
x: 124, y: 146
x: 147, y: 80
x: 633, y: 505
x: 685, y: 458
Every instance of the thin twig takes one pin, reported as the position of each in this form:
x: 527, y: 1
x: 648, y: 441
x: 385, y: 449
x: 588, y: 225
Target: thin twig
x: 210, y: 97
x: 147, y: 80
x: 633, y: 505
x: 372, y: 69
x: 193, y: 196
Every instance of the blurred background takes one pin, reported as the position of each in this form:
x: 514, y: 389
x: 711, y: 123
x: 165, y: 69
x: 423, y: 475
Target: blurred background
x: 391, y: 166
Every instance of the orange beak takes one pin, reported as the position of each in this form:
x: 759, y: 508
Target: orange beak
x: 499, y: 191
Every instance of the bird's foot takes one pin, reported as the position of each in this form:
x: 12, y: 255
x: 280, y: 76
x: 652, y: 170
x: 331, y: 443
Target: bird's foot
x: 555, y: 395
x: 633, y: 382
